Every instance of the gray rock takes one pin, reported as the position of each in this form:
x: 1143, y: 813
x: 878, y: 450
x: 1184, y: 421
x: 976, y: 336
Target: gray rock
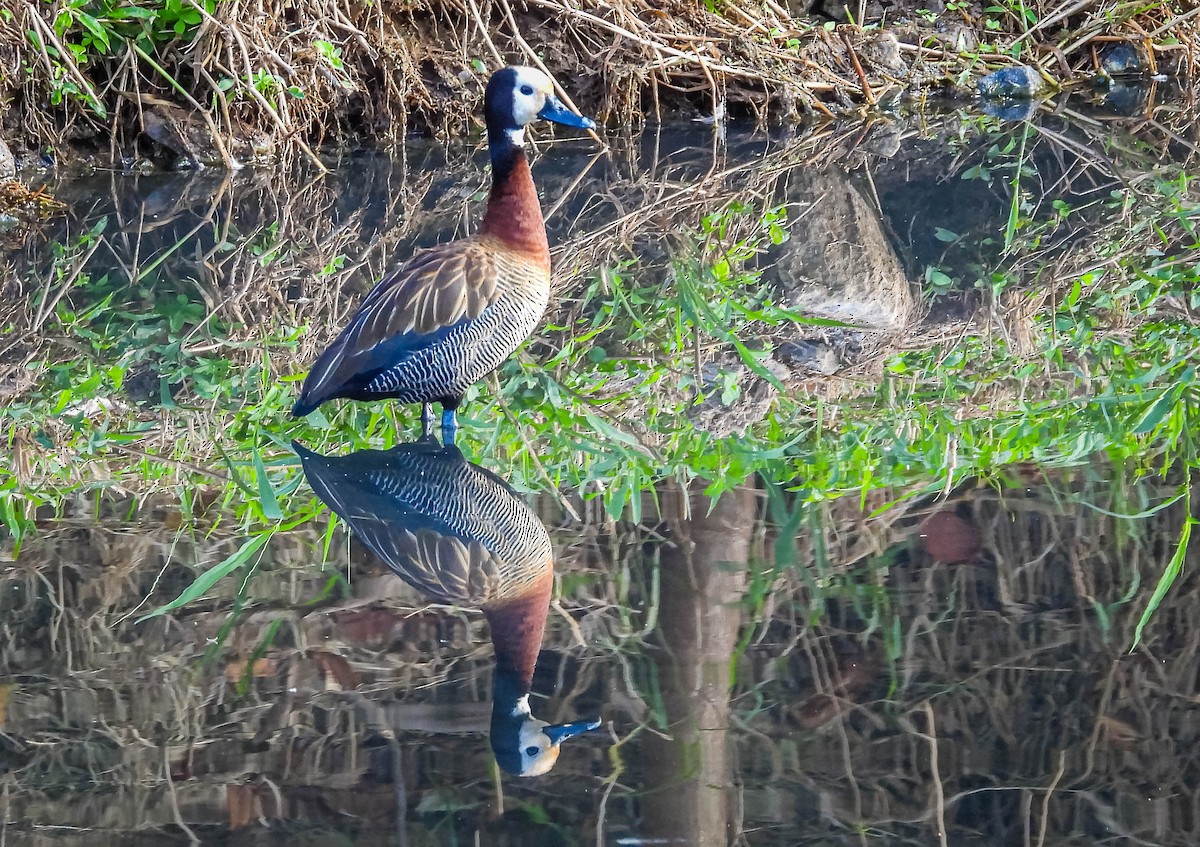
x: 839, y: 262
x: 957, y: 36
x: 1122, y: 59
x: 1019, y: 82
x: 188, y: 135
x: 813, y: 356
x: 883, y: 52
x: 8, y: 165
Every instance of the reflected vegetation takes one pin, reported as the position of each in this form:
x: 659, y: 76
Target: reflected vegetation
x: 865, y: 458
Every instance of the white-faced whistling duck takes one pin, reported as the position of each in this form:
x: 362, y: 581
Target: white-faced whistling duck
x: 452, y: 314
x: 459, y: 535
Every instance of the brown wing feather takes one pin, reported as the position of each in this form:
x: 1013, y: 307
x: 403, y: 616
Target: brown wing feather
x: 444, y: 567
x: 435, y: 289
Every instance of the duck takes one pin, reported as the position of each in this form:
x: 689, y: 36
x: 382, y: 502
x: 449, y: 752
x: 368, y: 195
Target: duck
x: 453, y: 313
x: 460, y: 535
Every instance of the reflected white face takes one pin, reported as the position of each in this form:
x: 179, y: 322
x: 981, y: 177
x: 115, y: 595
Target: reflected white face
x: 538, y: 752
x: 530, y: 91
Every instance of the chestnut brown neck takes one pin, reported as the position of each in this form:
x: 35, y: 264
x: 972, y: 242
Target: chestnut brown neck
x: 517, y: 627
x: 513, y: 213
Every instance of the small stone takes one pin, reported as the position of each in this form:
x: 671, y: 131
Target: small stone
x: 1018, y: 82
x: 811, y: 356
x: 8, y: 165
x: 139, y: 165
x: 883, y: 51
x: 958, y: 37
x: 1122, y: 59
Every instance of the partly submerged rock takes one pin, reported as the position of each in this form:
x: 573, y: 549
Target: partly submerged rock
x: 1018, y: 82
x: 839, y: 262
x: 180, y: 132
x: 188, y: 135
x: 1122, y: 59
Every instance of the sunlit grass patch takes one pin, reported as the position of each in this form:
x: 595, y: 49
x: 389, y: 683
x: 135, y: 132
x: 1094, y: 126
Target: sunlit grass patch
x: 1075, y: 346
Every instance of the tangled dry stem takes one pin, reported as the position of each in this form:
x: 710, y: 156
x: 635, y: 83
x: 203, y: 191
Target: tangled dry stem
x: 421, y: 65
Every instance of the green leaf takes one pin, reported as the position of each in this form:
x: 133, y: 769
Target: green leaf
x: 937, y: 278
x: 1073, y: 297
x: 1158, y: 410
x: 132, y: 13
x: 211, y: 576
x: 1174, y: 568
x: 95, y: 28
x: 266, y: 494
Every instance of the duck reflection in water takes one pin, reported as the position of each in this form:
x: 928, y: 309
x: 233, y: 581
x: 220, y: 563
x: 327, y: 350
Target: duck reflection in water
x: 459, y: 534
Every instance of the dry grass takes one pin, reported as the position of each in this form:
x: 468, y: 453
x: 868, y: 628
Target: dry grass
x: 379, y: 71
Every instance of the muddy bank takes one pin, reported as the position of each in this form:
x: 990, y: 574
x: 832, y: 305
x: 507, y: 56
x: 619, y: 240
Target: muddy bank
x: 146, y: 86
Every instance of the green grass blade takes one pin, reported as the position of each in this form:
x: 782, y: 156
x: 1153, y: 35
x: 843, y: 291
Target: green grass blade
x: 211, y: 576
x: 266, y: 494
x: 1174, y: 567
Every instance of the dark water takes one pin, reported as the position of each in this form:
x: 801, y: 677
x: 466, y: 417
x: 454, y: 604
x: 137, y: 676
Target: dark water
x: 945, y: 660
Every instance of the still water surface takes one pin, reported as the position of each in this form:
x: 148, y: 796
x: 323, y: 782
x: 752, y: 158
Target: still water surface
x: 945, y: 660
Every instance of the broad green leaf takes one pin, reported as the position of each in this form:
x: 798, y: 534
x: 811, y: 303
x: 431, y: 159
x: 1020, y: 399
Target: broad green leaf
x: 213, y: 575
x: 1158, y: 410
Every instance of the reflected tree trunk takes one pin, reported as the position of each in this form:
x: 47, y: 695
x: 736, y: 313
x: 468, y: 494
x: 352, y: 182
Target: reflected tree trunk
x: 703, y: 575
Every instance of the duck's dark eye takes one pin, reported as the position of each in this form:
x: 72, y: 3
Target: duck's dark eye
x: 531, y: 751
x: 527, y: 90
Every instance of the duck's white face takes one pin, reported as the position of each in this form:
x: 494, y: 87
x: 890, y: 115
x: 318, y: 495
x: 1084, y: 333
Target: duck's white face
x: 537, y: 742
x: 531, y: 88
x: 538, y: 752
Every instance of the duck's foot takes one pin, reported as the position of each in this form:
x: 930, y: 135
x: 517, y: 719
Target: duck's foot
x: 449, y: 427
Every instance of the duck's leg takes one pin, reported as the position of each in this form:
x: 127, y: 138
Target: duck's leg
x: 449, y: 426
x: 426, y: 419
